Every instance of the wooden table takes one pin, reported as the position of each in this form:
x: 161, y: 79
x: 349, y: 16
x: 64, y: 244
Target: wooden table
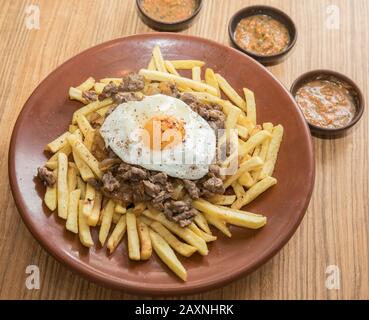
x: 334, y: 230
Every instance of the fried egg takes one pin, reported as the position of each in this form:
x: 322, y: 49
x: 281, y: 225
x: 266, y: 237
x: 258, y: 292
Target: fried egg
x: 161, y: 133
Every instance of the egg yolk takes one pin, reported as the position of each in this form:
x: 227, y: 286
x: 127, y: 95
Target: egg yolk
x: 164, y: 132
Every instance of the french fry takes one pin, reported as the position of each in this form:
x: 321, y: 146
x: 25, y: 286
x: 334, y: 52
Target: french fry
x: 272, y: 153
x: 107, y: 216
x: 102, y: 111
x: 230, y: 92
x: 133, y: 240
x: 211, y: 80
x: 72, y: 128
x: 99, y: 87
x: 51, y: 197
x: 170, y: 68
x: 202, y: 234
x: 89, y: 200
x: 200, y: 220
x: 116, y: 217
x: 120, y: 209
x: 72, y: 178
x: 76, y: 94
x: 251, y: 164
x: 93, y: 218
x: 250, y: 105
x: 182, y: 248
x: 184, y: 233
x: 88, y: 84
x: 117, y: 234
x: 254, y: 141
x: 263, y: 150
x: 89, y: 138
x: 232, y: 118
x: 145, y: 242
x: 67, y: 150
x: 196, y: 74
x: 238, y: 189
x: 246, y: 180
x: 218, y: 223
x: 116, y: 81
x: 151, y: 65
x: 91, y: 107
x: 254, y: 192
x: 224, y: 200
x: 167, y: 255
x: 138, y: 208
x: 72, y: 220
x: 83, y: 124
x: 162, y: 76
x: 85, y: 155
x: 81, y: 186
x: 58, y: 143
x: 236, y: 217
x: 83, y: 169
x: 83, y: 227
x: 242, y: 132
x: 187, y: 64
x: 158, y: 59
x: 62, y: 186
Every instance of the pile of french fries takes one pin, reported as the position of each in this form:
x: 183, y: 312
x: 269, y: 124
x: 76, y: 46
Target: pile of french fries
x: 148, y: 230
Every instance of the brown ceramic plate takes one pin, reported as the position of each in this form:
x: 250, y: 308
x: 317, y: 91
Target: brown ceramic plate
x: 48, y: 111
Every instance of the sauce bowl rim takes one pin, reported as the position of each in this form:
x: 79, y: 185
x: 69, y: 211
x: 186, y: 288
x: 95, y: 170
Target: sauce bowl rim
x: 359, y: 99
x: 291, y: 27
x: 175, y: 23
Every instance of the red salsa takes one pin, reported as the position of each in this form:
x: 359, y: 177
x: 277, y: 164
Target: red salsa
x: 326, y: 104
x: 262, y: 35
x: 169, y: 10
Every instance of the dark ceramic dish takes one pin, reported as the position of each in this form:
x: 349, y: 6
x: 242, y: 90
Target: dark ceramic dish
x: 275, y: 14
x: 168, y: 26
x: 349, y: 84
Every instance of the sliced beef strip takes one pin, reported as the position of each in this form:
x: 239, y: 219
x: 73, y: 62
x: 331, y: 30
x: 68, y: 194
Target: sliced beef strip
x: 46, y: 176
x: 122, y: 97
x: 109, y: 90
x: 212, y: 113
x: 179, y: 211
x: 89, y: 96
x: 191, y: 188
x: 160, y: 177
x: 127, y: 172
x: 169, y: 89
x: 97, y: 185
x: 132, y: 82
x: 214, y: 185
x: 150, y: 188
x: 110, y: 183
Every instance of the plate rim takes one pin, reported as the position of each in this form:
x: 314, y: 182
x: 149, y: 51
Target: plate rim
x: 75, y: 265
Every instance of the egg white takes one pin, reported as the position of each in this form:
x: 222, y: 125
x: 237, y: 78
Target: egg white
x: 188, y: 160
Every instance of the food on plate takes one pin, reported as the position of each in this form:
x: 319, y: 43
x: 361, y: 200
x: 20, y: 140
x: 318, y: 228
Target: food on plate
x: 156, y: 156
x: 169, y: 10
x: 326, y: 103
x: 263, y: 35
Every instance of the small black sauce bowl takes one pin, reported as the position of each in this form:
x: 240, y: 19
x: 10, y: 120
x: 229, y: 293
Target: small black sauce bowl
x: 275, y: 14
x: 168, y: 26
x: 349, y: 84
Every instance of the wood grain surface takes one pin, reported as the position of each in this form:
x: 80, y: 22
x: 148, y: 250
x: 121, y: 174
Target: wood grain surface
x: 335, y: 228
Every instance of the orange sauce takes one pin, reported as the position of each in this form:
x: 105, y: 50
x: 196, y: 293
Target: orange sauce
x: 326, y: 104
x: 169, y: 10
x: 262, y: 35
